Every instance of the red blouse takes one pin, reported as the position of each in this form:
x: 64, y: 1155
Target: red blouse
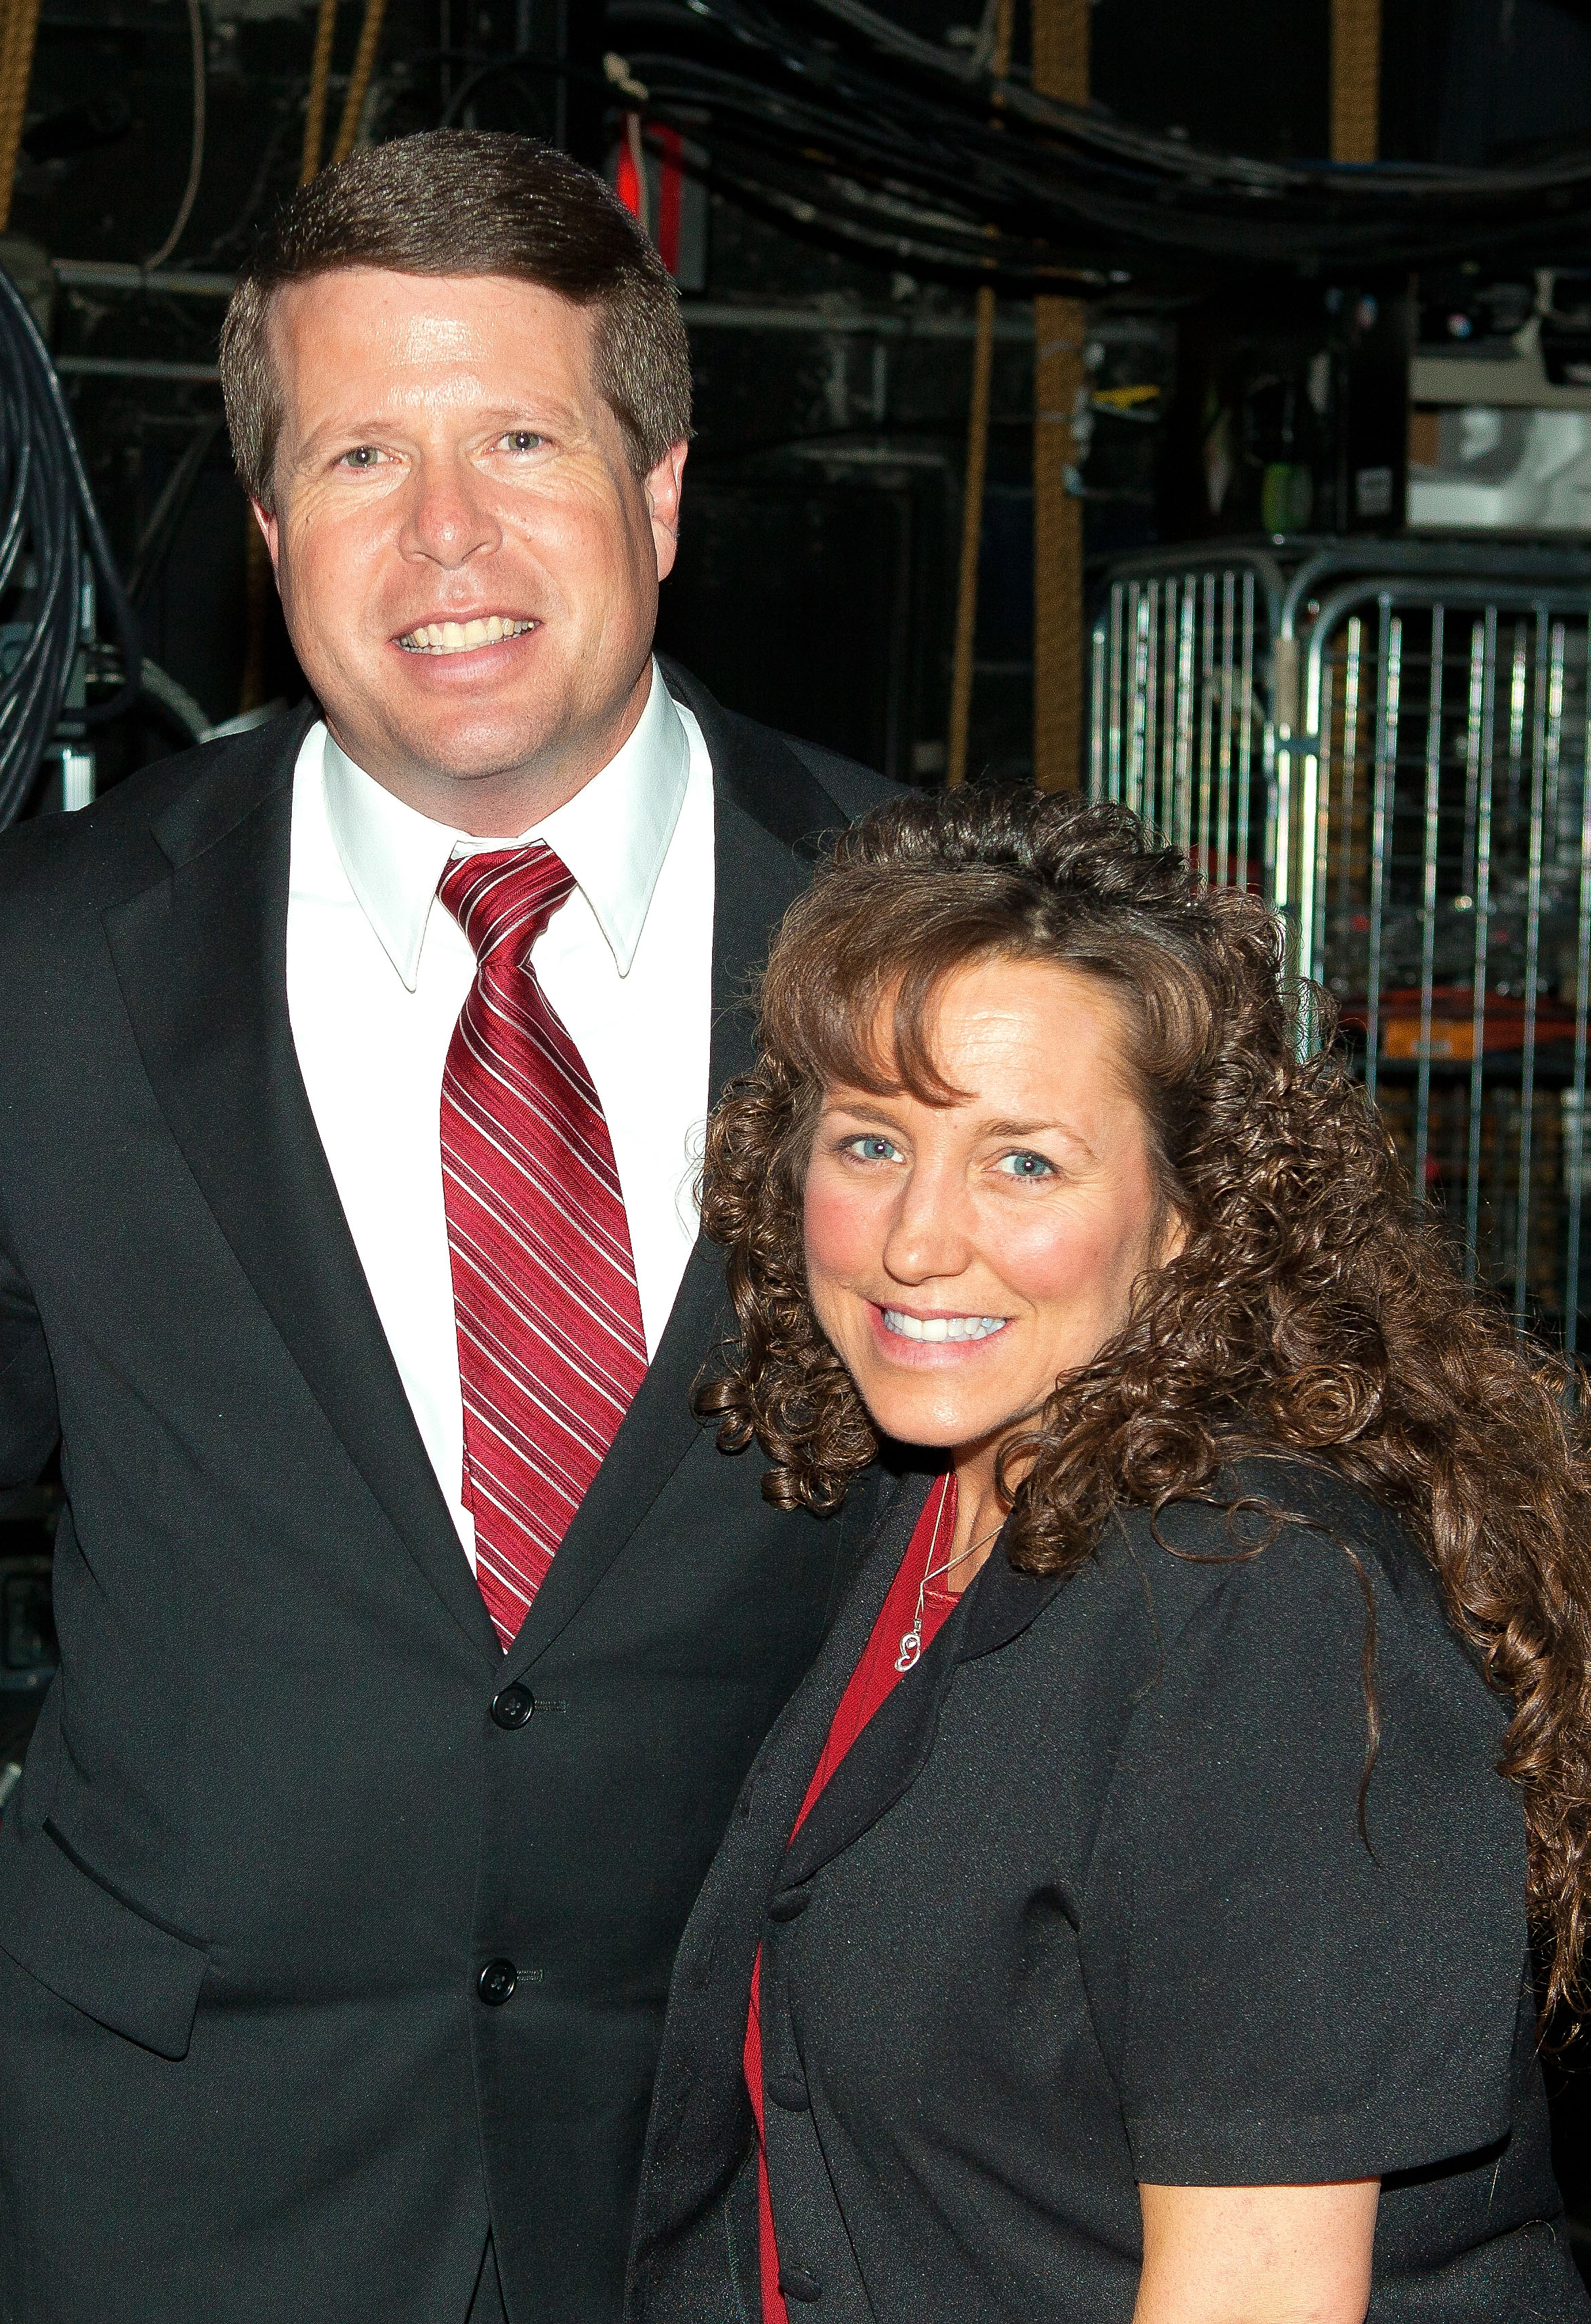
x: 875, y: 1677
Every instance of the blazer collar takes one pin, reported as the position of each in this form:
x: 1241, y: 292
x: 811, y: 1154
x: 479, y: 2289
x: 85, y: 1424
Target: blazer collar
x: 201, y: 958
x: 893, y: 1747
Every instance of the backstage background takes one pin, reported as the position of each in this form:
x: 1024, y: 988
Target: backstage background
x: 1192, y: 403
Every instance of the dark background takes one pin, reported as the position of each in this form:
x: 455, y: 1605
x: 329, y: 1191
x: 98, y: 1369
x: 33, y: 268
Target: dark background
x: 824, y: 501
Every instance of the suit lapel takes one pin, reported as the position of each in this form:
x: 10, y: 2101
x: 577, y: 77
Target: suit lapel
x: 768, y: 812
x: 701, y: 2065
x: 201, y: 959
x: 893, y: 1747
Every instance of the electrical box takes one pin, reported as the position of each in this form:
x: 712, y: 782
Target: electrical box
x: 1290, y: 413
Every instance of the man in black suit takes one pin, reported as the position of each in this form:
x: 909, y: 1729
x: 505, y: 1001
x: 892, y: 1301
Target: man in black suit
x: 338, y: 1899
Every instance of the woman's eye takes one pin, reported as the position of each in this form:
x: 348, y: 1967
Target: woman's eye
x: 1023, y: 1164
x: 872, y: 1149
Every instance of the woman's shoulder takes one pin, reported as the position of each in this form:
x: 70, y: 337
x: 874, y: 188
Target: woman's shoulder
x: 1287, y: 1565
x: 1269, y: 1516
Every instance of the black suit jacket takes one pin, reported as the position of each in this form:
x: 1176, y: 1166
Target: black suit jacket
x: 269, y: 1833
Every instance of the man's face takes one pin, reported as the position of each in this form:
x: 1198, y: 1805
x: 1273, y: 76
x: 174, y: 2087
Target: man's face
x: 469, y: 563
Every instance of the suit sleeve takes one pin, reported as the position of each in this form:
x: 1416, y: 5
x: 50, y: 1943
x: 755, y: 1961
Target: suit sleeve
x: 1282, y: 1997
x: 29, y: 1421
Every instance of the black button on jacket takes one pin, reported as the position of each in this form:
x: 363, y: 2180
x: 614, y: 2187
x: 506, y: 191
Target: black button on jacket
x: 1087, y: 1904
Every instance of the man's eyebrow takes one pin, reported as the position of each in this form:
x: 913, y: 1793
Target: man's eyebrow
x: 506, y: 415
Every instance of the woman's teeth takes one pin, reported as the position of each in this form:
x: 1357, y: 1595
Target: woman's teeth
x: 941, y: 1327
x: 459, y: 637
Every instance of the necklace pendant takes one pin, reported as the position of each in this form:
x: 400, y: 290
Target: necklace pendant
x: 911, y: 1647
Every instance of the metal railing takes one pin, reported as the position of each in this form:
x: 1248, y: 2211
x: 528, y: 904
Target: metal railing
x: 1390, y: 741
x: 1181, y: 728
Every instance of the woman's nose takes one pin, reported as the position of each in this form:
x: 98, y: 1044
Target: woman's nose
x: 928, y: 1235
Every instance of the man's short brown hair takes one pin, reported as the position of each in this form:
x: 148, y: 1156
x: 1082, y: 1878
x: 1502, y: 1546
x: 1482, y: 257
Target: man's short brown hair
x: 467, y: 201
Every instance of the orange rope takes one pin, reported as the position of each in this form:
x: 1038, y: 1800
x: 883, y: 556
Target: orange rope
x: 320, y: 75
x: 359, y: 81
x: 16, y: 70
x: 972, y: 527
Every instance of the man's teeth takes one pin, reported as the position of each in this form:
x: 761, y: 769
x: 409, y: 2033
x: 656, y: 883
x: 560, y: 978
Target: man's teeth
x: 941, y: 1327
x: 459, y: 637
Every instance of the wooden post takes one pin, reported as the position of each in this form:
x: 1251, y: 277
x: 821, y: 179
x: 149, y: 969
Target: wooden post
x: 971, y: 496
x: 1356, y: 79
x: 1060, y: 70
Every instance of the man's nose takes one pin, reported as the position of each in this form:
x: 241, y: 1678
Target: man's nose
x: 447, y: 517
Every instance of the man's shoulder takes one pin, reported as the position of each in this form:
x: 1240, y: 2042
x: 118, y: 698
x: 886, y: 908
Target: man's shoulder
x: 754, y: 759
x: 850, y: 785
x: 91, y: 858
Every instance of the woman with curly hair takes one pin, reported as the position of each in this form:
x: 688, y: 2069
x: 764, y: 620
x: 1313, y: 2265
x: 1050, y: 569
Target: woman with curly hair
x: 1130, y: 1917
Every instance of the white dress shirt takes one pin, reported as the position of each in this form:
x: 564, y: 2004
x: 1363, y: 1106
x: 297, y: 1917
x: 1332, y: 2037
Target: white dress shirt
x: 377, y: 972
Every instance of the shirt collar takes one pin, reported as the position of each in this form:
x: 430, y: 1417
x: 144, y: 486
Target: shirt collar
x: 612, y: 835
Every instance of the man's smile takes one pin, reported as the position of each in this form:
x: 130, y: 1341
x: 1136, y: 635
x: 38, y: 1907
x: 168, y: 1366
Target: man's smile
x: 465, y: 637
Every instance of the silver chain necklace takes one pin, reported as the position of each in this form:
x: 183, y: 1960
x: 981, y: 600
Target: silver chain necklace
x: 911, y: 1639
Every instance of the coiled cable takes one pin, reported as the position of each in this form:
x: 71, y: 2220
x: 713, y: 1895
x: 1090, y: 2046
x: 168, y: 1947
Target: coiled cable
x: 51, y: 538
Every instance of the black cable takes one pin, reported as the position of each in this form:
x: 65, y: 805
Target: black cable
x: 49, y: 531
x: 515, y: 62
x: 828, y: 112
x: 159, y: 535
x: 290, y: 124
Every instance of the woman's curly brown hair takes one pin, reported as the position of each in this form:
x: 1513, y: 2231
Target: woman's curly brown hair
x: 1310, y: 1307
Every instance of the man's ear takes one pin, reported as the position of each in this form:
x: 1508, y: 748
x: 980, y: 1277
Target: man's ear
x: 268, y: 526
x: 663, y: 487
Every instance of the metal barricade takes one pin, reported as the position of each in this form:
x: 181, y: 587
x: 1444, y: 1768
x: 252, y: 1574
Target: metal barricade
x: 1181, y: 729
x: 1415, y: 719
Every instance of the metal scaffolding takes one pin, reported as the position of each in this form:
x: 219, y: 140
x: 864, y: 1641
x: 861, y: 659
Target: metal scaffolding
x: 1390, y: 741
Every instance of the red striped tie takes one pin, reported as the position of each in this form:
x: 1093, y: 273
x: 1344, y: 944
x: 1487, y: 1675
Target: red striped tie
x: 550, y: 1348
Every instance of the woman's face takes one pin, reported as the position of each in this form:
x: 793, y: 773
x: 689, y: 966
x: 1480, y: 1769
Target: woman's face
x: 960, y: 1257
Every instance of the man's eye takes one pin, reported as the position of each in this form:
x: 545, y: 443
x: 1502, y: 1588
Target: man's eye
x: 520, y: 440
x: 363, y: 456
x: 1024, y: 1164
x: 872, y: 1149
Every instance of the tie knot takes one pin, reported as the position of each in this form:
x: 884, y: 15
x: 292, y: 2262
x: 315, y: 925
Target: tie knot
x: 502, y: 902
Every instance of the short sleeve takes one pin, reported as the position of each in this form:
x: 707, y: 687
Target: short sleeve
x: 1278, y: 2001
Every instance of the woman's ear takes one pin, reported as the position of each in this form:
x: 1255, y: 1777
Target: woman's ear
x: 1171, y: 1241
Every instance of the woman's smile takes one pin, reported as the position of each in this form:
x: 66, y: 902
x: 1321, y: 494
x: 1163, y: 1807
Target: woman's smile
x: 953, y: 1333
x: 946, y: 1344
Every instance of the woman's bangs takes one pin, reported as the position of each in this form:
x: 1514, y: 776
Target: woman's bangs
x: 874, y: 1032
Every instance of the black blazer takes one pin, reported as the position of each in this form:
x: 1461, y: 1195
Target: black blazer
x: 269, y: 1833
x: 1087, y: 1904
